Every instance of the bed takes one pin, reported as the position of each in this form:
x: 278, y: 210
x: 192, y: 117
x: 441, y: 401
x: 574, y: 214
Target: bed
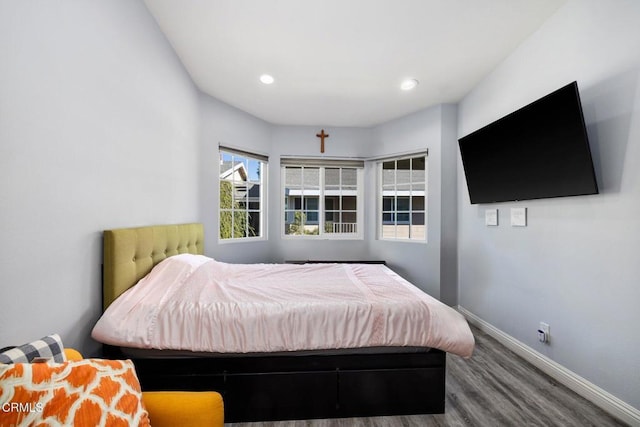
x: 280, y: 385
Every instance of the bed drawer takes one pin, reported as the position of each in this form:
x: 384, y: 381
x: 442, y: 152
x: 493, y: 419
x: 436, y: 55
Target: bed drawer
x: 280, y: 396
x: 386, y: 392
x: 185, y: 382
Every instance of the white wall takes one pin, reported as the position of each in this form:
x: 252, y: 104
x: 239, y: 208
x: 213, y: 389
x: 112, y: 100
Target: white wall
x: 575, y: 265
x: 431, y: 129
x: 99, y: 128
x: 448, y: 206
x: 302, y: 141
x: 228, y: 126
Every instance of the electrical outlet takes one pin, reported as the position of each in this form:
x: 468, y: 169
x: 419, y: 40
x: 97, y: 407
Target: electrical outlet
x: 544, y: 327
x: 543, y: 332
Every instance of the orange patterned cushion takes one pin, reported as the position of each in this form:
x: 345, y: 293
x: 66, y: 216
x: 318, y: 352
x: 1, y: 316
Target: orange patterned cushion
x: 89, y: 392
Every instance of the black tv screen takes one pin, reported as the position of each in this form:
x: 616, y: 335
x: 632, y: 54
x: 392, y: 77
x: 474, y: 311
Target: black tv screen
x: 538, y: 151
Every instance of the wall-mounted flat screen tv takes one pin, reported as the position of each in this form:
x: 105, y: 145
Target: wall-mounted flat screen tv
x: 539, y: 151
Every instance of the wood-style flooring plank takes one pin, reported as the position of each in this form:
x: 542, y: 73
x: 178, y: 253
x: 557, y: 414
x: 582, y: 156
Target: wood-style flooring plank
x: 493, y: 388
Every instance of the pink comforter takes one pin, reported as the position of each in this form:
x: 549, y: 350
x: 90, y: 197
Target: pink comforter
x: 191, y: 302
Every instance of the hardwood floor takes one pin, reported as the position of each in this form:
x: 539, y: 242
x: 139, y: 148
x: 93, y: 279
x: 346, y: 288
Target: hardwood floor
x: 493, y: 388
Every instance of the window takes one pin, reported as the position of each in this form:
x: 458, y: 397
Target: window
x: 403, y: 198
x: 322, y: 198
x: 242, y: 201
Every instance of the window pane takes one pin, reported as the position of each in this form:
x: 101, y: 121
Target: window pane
x: 418, y: 172
x: 417, y: 203
x: 254, y: 223
x: 388, y: 203
x: 332, y: 179
x: 403, y: 203
x: 403, y: 177
x: 403, y: 190
x: 389, y: 174
x: 311, y: 217
x: 254, y: 192
x: 349, y: 217
x: 418, y: 163
x: 293, y: 177
x: 226, y: 195
x: 349, y: 203
x: 312, y: 230
x: 347, y: 227
x: 297, y: 203
x: 388, y: 231
x: 240, y: 194
x: 349, y: 178
x: 240, y: 223
x: 417, y: 218
x: 311, y: 203
x: 289, y: 216
x: 404, y: 164
x: 403, y: 174
x: 226, y: 224
x: 331, y: 203
x: 311, y: 178
x: 402, y: 230
x: 294, y: 222
x: 254, y: 170
x: 418, y: 232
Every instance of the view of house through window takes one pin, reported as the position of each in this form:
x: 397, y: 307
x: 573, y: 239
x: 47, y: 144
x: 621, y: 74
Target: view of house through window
x: 322, y: 200
x: 241, y: 194
x: 403, y: 204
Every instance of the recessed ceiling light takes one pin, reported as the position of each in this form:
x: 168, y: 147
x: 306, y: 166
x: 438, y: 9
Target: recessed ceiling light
x: 409, y: 84
x: 267, y: 79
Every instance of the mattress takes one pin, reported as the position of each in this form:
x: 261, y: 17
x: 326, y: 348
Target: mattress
x: 195, y: 303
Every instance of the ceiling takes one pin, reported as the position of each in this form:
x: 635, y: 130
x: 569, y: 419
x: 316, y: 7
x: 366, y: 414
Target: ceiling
x: 341, y: 62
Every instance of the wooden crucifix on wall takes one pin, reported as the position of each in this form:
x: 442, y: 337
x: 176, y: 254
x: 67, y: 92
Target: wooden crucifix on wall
x: 322, y: 136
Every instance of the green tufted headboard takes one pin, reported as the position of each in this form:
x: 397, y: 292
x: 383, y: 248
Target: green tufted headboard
x: 131, y: 253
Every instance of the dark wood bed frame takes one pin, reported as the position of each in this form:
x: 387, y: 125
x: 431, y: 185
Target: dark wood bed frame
x: 266, y: 387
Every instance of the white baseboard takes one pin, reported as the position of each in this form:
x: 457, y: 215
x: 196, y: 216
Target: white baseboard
x: 603, y: 399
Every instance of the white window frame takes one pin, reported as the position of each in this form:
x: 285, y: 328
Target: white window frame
x: 322, y: 165
x: 264, y: 172
x: 380, y: 201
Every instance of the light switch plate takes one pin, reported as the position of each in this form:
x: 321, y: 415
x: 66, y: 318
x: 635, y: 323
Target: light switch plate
x: 491, y: 217
x: 518, y: 217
